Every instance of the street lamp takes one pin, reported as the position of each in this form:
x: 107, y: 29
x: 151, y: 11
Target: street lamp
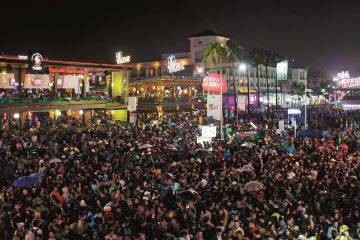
x: 242, y: 68
x: 200, y: 70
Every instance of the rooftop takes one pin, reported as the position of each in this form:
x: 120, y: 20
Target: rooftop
x: 208, y: 32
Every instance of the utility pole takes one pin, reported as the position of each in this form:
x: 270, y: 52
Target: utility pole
x: 305, y: 98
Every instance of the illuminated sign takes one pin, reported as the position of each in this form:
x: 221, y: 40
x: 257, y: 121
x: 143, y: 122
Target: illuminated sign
x: 22, y: 57
x: 343, y: 75
x: 294, y: 111
x: 208, y: 131
x: 349, y: 83
x: 282, y: 70
x: 174, y: 66
x: 13, y: 82
x: 214, y: 83
x: 67, y: 70
x: 37, y: 82
x: 120, y: 59
x: 37, y: 62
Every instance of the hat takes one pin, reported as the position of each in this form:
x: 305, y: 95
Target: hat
x: 277, y: 215
x: 295, y: 228
x: 218, y: 229
x: 82, y: 203
x: 21, y: 224
x: 344, y: 228
x: 107, y: 208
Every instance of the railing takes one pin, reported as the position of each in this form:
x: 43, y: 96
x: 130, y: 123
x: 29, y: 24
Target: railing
x: 56, y: 100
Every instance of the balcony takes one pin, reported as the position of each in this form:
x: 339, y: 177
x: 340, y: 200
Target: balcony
x: 9, y: 105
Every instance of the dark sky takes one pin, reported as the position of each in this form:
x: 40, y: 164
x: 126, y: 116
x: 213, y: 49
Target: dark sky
x: 322, y: 34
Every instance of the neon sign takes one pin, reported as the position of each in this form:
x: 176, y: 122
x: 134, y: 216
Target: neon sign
x: 22, y: 57
x: 174, y: 66
x: 120, y: 59
x: 343, y: 75
x: 349, y: 83
x: 67, y: 70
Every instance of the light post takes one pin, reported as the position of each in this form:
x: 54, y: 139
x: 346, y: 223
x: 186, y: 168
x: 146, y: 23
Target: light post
x: 305, y: 98
x: 243, y: 67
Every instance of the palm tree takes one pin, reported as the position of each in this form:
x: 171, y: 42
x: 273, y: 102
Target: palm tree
x: 215, y: 56
x: 236, y: 54
x: 258, y: 55
x: 270, y: 60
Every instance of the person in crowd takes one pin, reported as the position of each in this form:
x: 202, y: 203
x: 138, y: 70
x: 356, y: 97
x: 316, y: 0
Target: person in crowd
x: 153, y: 180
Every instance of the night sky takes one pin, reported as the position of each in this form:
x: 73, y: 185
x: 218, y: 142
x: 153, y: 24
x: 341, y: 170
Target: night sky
x: 323, y: 35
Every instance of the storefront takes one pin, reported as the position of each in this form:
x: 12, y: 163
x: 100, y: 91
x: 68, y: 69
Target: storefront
x: 29, y: 76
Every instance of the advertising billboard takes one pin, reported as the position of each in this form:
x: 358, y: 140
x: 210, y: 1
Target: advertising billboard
x: 282, y: 70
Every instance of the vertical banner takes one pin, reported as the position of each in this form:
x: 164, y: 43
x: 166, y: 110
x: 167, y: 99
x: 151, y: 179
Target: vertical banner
x: 241, y: 102
x: 132, y: 104
x: 282, y: 70
x: 213, y: 106
x: 281, y: 125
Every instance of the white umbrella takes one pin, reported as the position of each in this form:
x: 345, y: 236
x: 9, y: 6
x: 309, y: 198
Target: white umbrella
x: 55, y: 160
x: 170, y: 147
x: 253, y: 186
x: 146, y: 146
x: 248, y: 145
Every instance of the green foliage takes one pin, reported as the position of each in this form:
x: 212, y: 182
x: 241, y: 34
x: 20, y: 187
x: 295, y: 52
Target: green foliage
x: 298, y: 88
x: 215, y: 55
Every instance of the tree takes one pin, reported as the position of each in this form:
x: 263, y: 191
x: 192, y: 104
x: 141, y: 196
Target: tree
x: 236, y: 52
x: 270, y: 61
x: 215, y: 55
x: 236, y: 55
x: 258, y: 56
x: 298, y: 88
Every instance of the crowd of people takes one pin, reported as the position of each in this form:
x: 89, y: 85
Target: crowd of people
x: 153, y: 180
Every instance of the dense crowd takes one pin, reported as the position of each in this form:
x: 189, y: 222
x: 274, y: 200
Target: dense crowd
x: 152, y: 180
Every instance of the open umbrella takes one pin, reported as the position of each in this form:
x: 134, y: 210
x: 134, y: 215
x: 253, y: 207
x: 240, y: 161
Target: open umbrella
x: 189, y: 195
x: 325, y: 134
x: 146, y: 146
x: 247, y: 168
x: 55, y: 160
x: 201, y: 151
x: 171, y: 147
x: 307, y: 133
x: 253, y: 186
x: 247, y: 145
x: 28, y: 181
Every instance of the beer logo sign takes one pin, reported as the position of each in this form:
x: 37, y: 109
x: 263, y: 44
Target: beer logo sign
x: 37, y: 60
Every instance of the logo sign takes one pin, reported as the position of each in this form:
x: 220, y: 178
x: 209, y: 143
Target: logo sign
x: 349, y: 83
x: 22, y: 57
x: 174, y: 66
x: 282, y: 70
x: 37, y: 62
x: 120, y: 59
x: 214, y: 83
x: 343, y: 75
